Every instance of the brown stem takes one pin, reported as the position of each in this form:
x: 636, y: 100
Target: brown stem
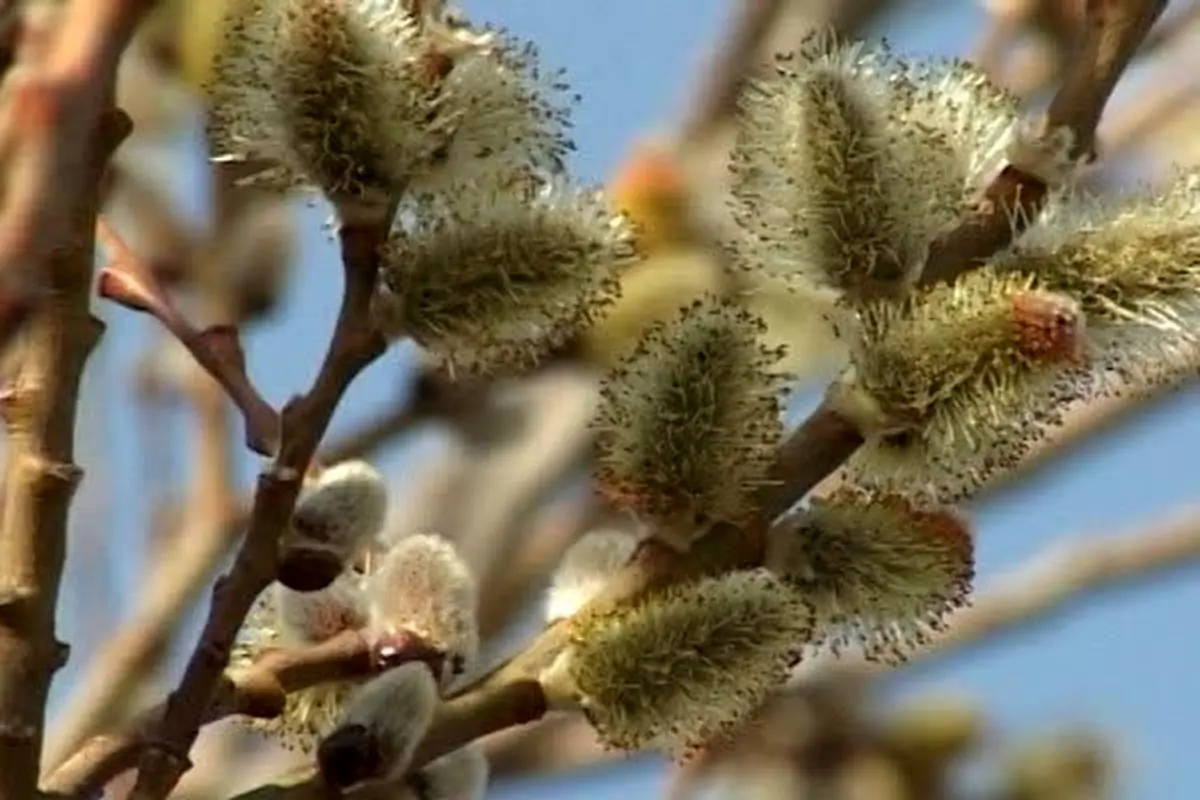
x: 1113, y: 31
x: 354, y: 345
x: 171, y: 587
x: 812, y: 452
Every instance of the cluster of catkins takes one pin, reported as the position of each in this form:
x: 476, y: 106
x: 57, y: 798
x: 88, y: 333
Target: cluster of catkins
x: 396, y: 593
x: 401, y: 108
x: 850, y: 167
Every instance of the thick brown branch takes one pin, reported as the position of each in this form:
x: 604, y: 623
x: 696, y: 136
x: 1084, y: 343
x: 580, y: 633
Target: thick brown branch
x: 58, y: 131
x: 354, y: 345
x: 57, y: 125
x: 1113, y: 31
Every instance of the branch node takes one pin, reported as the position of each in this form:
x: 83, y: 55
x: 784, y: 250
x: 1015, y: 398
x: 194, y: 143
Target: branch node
x: 45, y: 476
x: 17, y: 732
x: 16, y: 595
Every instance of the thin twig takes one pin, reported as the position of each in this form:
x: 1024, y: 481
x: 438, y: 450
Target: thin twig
x: 173, y: 585
x: 197, y: 548
x: 217, y: 348
x: 206, y: 526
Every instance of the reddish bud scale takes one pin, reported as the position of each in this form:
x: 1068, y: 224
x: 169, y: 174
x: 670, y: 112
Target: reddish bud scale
x: 1050, y: 326
x: 434, y: 65
x: 941, y: 524
x: 938, y: 522
x: 304, y: 569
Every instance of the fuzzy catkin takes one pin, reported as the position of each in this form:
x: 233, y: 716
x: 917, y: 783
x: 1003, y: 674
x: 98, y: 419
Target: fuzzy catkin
x: 341, y: 510
x: 380, y: 727
x: 682, y: 666
x: 848, y: 161
x: 1133, y: 264
x: 880, y: 570
x: 970, y: 376
x: 423, y: 586
x: 304, y: 618
x: 492, y: 278
x: 585, y: 568
x: 688, y: 423
x: 283, y: 618
x: 367, y: 102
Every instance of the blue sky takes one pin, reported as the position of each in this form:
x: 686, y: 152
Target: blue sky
x: 1125, y: 662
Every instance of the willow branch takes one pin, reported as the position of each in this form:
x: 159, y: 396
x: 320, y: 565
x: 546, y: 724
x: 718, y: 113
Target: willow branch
x: 817, y: 447
x: 823, y: 443
x: 256, y: 691
x: 354, y: 345
x: 827, y: 439
x: 197, y: 549
x: 457, y: 723
x: 173, y: 585
x: 1114, y: 29
x: 211, y: 518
